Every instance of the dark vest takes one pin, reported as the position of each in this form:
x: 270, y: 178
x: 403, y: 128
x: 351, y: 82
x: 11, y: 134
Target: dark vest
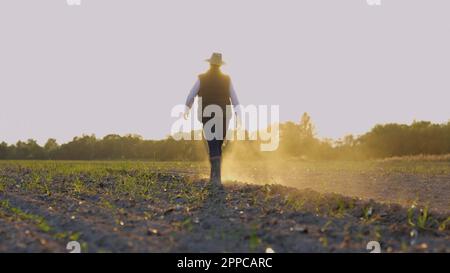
x: 214, y: 89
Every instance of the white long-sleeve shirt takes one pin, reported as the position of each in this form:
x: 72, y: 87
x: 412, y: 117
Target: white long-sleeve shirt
x: 194, y: 92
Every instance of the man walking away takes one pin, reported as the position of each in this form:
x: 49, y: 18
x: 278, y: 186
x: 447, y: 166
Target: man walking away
x: 214, y: 88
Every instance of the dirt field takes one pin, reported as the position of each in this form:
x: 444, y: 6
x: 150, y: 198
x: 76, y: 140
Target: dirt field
x: 170, y: 207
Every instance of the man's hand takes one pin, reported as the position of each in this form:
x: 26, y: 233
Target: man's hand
x: 186, y: 113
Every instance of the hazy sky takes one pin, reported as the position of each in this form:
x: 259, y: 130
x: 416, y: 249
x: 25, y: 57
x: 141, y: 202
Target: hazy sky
x: 119, y: 66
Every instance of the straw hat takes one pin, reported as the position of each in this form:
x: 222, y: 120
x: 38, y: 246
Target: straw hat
x: 216, y: 59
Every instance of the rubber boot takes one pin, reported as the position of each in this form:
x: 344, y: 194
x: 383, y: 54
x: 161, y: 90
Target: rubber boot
x: 215, y: 176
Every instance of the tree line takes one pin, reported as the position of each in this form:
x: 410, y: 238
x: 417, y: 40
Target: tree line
x: 297, y: 140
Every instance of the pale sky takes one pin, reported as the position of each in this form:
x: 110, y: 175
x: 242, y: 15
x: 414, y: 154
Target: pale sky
x: 119, y: 66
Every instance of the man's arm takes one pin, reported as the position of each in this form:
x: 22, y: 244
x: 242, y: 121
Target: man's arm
x: 235, y: 101
x: 194, y: 91
x: 191, y: 97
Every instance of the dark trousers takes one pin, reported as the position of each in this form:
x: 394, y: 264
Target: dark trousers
x: 215, y: 148
x: 215, y: 145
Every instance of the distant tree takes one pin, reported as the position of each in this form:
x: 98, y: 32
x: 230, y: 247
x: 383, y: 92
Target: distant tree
x: 306, y: 127
x: 80, y: 148
x: 4, y: 150
x: 421, y: 137
x: 50, y: 148
x: 296, y: 140
x: 28, y: 150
